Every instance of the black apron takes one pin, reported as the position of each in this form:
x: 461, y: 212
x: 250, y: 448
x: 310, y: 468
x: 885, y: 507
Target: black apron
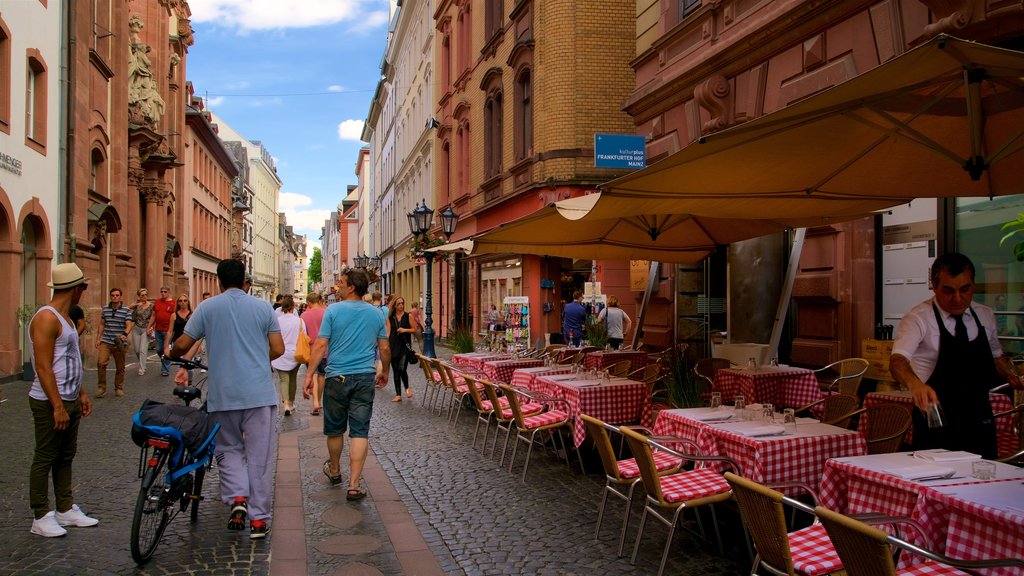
x: 963, y: 375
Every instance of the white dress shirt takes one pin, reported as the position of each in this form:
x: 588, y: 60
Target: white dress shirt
x: 917, y: 337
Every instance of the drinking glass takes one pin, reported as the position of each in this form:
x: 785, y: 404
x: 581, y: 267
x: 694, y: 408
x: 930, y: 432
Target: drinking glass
x: 789, y: 420
x: 983, y: 470
x: 775, y: 361
x: 936, y: 418
x: 752, y: 364
x: 768, y: 413
x: 716, y: 400
x: 740, y: 407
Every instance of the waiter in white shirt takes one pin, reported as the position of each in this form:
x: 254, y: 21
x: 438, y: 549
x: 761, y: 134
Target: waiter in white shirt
x: 947, y: 352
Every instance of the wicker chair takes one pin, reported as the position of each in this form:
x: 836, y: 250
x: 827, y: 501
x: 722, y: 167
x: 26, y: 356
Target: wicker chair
x: 484, y: 407
x: 847, y: 375
x: 674, y: 492
x: 1009, y: 443
x: 648, y: 374
x: 620, y: 369
x: 807, y: 551
x: 621, y: 474
x: 706, y: 368
x: 459, y: 385
x: 887, y: 424
x: 837, y: 409
x: 867, y: 551
x: 528, y: 425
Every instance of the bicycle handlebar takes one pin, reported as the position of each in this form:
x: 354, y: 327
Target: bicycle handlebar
x: 189, y: 364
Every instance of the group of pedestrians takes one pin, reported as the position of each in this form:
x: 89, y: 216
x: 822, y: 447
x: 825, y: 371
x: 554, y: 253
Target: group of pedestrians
x: 245, y: 342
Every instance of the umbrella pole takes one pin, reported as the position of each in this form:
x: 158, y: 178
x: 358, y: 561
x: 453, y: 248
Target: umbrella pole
x: 652, y: 284
x: 787, y: 291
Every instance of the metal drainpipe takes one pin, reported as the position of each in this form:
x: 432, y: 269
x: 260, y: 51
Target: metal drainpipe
x: 66, y: 226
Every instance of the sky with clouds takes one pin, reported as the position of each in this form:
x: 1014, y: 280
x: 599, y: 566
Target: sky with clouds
x: 298, y: 76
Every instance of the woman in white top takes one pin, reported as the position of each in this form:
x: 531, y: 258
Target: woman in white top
x: 285, y: 365
x: 617, y: 322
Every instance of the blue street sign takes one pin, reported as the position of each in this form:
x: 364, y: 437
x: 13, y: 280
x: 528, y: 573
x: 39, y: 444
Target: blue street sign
x: 619, y: 151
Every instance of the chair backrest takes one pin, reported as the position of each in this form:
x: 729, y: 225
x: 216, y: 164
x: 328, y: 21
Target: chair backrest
x: 641, y: 451
x: 886, y: 425
x: 706, y: 368
x: 552, y: 347
x: 762, y: 510
x: 428, y: 368
x: 648, y: 374
x: 444, y: 369
x: 513, y: 404
x: 491, y: 391
x: 863, y: 549
x: 474, y: 393
x: 849, y: 372
x: 837, y: 409
x: 620, y: 368
x: 571, y: 359
x: 597, y: 431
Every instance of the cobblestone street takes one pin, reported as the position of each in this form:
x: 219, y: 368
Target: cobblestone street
x: 435, y: 505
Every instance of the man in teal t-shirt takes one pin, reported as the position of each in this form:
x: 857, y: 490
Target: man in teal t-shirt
x: 351, y: 334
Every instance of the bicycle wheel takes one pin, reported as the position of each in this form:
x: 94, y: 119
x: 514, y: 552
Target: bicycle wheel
x: 197, y: 493
x: 152, y: 512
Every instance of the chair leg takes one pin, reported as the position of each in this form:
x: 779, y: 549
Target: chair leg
x: 504, y: 447
x: 476, y: 430
x: 668, y: 543
x: 639, y: 535
x: 515, y: 448
x: 600, y: 510
x: 625, y: 519
x: 718, y: 533
x: 526, y: 465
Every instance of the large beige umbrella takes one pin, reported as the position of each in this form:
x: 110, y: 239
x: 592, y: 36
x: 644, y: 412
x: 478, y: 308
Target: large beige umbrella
x: 945, y: 119
x: 680, y: 239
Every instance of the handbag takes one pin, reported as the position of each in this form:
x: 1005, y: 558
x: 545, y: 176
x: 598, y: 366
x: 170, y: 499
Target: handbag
x: 302, y: 351
x: 412, y: 354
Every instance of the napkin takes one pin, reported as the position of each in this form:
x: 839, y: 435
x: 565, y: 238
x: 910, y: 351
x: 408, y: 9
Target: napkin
x: 920, y: 471
x: 941, y: 455
x: 763, y: 430
x: 714, y: 415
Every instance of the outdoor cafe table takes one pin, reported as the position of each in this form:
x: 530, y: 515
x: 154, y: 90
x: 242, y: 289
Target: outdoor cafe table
x: 476, y: 360
x: 524, y: 377
x: 605, y: 358
x: 617, y: 402
x: 501, y: 370
x: 768, y: 460
x: 962, y: 517
x: 1007, y: 440
x: 778, y: 385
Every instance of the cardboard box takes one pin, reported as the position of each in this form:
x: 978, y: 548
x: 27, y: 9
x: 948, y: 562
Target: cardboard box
x: 877, y: 353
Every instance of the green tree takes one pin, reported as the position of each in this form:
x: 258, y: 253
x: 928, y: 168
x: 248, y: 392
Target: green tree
x: 314, y: 274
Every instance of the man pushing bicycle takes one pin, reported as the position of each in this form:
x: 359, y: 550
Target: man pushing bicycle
x: 242, y: 337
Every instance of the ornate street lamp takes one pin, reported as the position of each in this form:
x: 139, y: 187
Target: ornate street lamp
x: 449, y: 220
x: 419, y: 224
x: 373, y: 262
x: 360, y: 261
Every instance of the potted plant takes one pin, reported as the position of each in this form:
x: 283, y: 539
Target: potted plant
x: 682, y: 386
x: 25, y: 312
x: 461, y: 340
x: 596, y: 333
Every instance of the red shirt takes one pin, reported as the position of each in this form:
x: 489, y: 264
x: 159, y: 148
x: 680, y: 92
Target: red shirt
x: 162, y: 312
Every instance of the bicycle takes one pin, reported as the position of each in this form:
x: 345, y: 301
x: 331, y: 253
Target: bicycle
x: 172, y: 466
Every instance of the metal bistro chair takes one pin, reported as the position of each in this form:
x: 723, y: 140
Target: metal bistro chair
x: 459, y: 385
x: 837, y: 409
x: 707, y: 368
x: 675, y: 492
x: 621, y: 474
x: 887, y: 424
x: 504, y: 417
x: 484, y: 407
x: 806, y: 552
x: 868, y: 551
x: 434, y: 384
x: 848, y: 374
x: 527, y: 426
x: 620, y: 369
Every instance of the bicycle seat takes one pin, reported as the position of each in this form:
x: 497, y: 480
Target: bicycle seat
x: 187, y: 393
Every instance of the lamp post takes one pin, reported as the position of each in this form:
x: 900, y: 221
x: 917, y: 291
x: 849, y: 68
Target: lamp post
x: 420, y: 220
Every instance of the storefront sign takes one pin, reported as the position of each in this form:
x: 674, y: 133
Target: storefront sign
x: 10, y: 163
x: 638, y: 271
x: 910, y: 233
x: 619, y: 151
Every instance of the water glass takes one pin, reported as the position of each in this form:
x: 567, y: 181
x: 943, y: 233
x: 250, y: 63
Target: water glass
x: 768, y: 413
x: 789, y: 420
x: 752, y: 364
x: 740, y: 407
x: 606, y: 378
x: 936, y: 417
x: 983, y: 470
x: 716, y: 400
x: 775, y: 361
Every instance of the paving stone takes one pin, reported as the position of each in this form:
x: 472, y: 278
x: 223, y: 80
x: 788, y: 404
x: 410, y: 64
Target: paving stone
x: 348, y: 545
x: 342, y: 517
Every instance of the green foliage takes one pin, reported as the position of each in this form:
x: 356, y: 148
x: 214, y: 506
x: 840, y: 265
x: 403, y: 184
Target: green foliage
x: 682, y: 386
x: 25, y: 312
x: 461, y: 340
x: 315, y: 265
x: 596, y: 333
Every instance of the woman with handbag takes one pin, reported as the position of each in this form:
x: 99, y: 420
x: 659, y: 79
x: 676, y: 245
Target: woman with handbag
x: 141, y: 330
x: 400, y: 331
x: 285, y: 365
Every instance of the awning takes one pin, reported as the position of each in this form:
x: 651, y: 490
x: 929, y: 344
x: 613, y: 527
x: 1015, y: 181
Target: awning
x: 945, y: 119
x: 464, y: 246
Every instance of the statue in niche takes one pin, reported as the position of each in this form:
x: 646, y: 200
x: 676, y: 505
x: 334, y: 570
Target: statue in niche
x: 144, y: 102
x: 97, y: 236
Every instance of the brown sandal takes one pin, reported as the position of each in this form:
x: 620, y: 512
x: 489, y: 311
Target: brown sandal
x: 357, y: 493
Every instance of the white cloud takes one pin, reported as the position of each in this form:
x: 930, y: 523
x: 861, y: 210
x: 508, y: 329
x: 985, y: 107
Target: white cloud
x: 351, y: 130
x: 290, y: 200
x: 335, y: 88
x: 272, y: 14
x: 214, y: 102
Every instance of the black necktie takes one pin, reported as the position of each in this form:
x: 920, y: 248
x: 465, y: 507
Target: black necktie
x: 961, y: 330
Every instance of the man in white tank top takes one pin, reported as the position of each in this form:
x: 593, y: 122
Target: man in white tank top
x: 58, y: 404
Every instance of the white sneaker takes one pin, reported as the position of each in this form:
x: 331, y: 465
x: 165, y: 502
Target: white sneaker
x: 48, y: 526
x: 75, y: 517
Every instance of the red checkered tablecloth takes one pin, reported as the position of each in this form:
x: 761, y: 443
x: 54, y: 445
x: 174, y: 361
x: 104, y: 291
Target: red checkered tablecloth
x: 606, y: 358
x: 501, y: 370
x: 768, y: 460
x: 524, y: 377
x: 859, y: 485
x: 792, y: 387
x: 982, y: 524
x: 618, y: 402
x: 476, y: 360
x: 1006, y: 438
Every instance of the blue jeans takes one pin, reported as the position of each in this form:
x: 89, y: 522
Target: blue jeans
x: 161, y: 339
